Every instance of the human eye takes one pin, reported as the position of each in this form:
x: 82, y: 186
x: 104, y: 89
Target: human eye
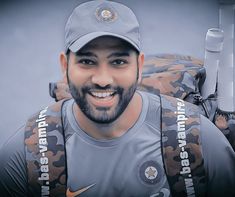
x: 119, y: 62
x: 86, y: 62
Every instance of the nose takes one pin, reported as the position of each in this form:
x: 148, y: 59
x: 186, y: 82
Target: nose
x: 102, y: 77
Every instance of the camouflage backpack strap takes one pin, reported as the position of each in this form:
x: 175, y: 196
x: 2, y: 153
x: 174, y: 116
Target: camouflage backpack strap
x: 45, y: 152
x: 181, y: 147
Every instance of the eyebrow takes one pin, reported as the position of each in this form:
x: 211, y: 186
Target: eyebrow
x: 115, y: 54
x: 119, y: 54
x: 88, y: 54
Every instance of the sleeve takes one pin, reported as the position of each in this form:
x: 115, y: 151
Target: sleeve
x: 13, y: 172
x: 219, y: 159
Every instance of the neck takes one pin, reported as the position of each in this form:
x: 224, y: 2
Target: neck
x: 115, y: 129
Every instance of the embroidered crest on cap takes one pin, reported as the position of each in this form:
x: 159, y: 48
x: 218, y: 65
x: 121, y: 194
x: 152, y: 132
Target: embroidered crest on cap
x: 150, y: 172
x: 106, y: 14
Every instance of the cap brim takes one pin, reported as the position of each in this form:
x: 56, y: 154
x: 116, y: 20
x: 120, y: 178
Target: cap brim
x: 82, y: 41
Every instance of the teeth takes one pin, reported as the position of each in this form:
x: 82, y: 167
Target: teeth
x: 102, y: 94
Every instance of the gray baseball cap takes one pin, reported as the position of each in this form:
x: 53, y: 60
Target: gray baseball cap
x: 98, y: 18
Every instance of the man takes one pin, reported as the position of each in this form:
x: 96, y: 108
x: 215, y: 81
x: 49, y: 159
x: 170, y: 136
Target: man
x: 111, y: 132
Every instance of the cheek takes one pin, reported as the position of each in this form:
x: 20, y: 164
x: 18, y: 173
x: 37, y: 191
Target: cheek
x: 128, y: 77
x: 77, y: 76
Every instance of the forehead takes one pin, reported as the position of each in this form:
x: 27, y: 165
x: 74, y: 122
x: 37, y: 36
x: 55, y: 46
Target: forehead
x: 107, y: 42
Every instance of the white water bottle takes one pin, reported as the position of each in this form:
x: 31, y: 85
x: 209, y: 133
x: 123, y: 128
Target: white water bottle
x: 213, y: 47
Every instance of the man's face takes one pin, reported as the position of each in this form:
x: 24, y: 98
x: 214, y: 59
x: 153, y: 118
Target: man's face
x: 103, y: 77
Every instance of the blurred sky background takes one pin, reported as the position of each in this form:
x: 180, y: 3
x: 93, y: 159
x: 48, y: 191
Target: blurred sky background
x: 32, y: 36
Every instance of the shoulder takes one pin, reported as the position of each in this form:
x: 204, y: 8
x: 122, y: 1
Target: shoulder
x: 216, y: 150
x: 212, y: 137
x: 214, y: 141
x: 13, y: 165
x: 219, y: 160
x: 14, y: 146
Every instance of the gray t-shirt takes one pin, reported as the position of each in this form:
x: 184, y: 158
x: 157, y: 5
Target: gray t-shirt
x: 130, y: 165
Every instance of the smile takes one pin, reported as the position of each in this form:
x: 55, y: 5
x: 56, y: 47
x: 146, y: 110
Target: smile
x: 102, y: 98
x: 102, y: 95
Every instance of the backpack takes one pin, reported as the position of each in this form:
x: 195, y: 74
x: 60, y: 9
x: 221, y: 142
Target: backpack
x: 173, y: 75
x: 181, y: 150
x: 182, y: 77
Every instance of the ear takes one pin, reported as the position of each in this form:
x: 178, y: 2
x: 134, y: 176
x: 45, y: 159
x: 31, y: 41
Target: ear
x: 64, y: 65
x: 141, y: 64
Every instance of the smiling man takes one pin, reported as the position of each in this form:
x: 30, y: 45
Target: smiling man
x: 111, y: 139
x: 95, y: 76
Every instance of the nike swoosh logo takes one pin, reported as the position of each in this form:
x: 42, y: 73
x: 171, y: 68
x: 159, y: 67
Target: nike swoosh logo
x: 76, y: 193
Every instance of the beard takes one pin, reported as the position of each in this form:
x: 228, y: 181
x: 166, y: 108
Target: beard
x: 102, y: 115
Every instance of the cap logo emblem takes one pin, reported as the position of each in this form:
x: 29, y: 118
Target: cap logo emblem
x: 106, y: 14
